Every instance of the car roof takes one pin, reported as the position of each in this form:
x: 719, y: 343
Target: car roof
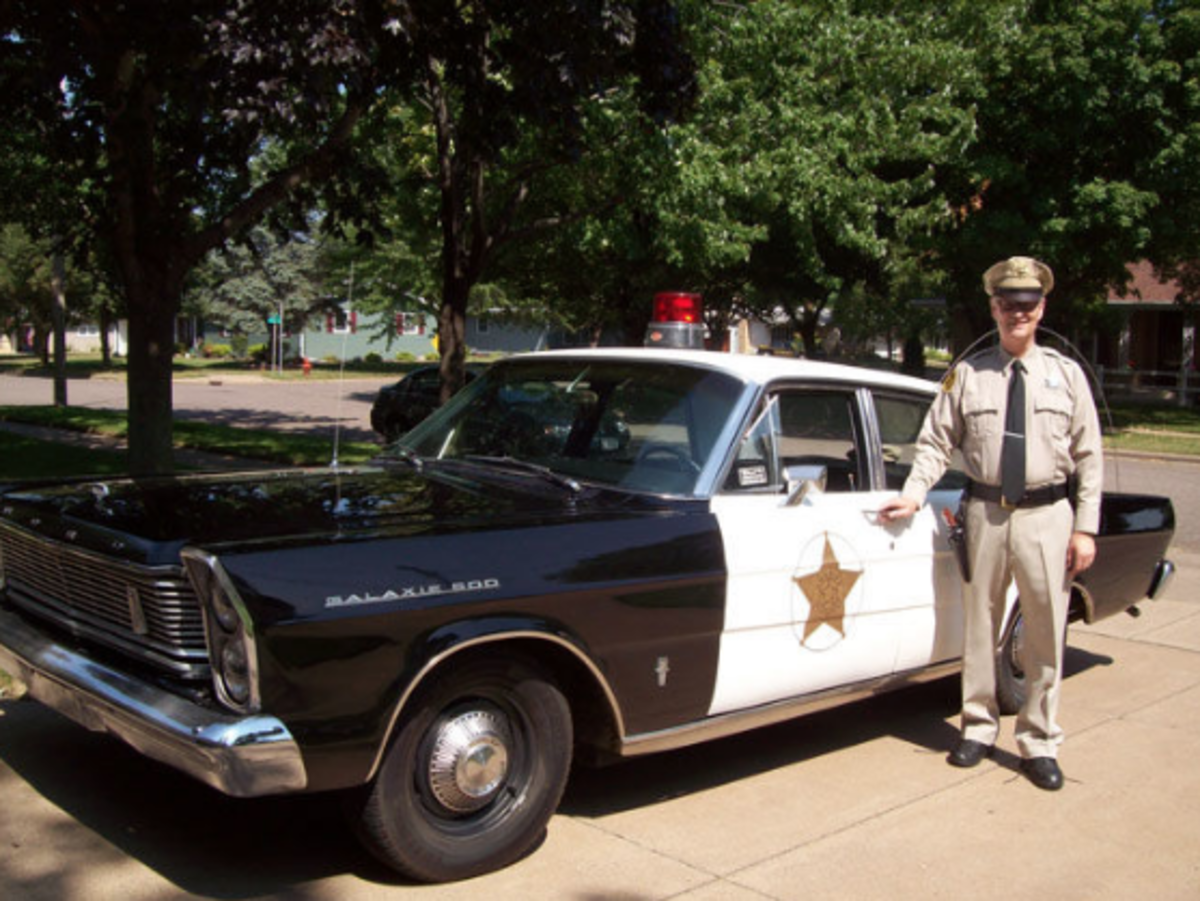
x: 751, y: 368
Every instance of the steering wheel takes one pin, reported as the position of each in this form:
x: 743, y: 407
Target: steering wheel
x: 672, y: 452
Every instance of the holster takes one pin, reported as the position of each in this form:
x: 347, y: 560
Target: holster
x: 958, y: 539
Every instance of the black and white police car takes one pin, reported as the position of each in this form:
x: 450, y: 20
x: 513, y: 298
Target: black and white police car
x: 603, y: 553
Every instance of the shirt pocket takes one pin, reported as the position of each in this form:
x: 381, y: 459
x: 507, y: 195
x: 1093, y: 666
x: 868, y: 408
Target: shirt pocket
x: 983, y: 428
x: 1052, y: 417
x: 982, y: 418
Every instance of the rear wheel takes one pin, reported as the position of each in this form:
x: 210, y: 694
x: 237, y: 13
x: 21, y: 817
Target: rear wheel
x: 473, y: 775
x: 1010, y: 675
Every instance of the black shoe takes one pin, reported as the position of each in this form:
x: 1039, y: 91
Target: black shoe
x: 1043, y: 772
x: 968, y: 753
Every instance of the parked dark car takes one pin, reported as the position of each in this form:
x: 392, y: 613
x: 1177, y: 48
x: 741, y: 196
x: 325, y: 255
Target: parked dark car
x: 401, y: 406
x: 581, y: 556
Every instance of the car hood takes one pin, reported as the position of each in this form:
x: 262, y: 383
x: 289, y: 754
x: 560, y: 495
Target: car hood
x: 149, y: 520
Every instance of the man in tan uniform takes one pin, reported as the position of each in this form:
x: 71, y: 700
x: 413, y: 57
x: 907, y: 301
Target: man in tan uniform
x: 1020, y: 522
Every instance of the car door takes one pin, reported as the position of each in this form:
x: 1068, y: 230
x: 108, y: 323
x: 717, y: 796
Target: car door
x: 814, y: 582
x: 928, y: 618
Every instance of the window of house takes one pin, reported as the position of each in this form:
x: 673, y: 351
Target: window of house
x: 410, y: 323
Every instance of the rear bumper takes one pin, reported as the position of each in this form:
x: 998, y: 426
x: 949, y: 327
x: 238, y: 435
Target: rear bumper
x: 1164, y: 573
x: 243, y: 756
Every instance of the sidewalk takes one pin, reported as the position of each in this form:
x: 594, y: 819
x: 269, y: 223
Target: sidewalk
x: 855, y: 802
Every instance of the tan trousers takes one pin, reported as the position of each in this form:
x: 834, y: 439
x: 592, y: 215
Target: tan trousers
x: 1030, y: 546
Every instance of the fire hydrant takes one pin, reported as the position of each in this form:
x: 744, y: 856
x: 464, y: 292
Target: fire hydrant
x: 306, y: 366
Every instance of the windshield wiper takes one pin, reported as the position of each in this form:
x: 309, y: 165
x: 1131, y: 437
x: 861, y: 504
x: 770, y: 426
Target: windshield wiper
x: 536, y: 469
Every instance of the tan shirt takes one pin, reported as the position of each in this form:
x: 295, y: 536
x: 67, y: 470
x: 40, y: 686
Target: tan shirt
x: 1062, y: 430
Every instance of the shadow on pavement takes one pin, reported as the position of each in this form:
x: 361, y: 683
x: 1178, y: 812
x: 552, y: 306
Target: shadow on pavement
x: 211, y: 845
x: 321, y: 426
x: 925, y: 716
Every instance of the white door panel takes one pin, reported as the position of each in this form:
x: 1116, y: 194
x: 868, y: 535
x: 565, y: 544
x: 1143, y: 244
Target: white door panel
x: 812, y: 597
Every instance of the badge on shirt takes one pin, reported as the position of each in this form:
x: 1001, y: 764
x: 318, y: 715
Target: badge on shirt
x: 1053, y: 382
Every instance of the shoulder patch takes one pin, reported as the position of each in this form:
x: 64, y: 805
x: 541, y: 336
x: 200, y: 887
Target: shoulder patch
x: 949, y: 379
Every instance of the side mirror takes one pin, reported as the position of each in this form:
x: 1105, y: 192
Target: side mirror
x: 803, y: 479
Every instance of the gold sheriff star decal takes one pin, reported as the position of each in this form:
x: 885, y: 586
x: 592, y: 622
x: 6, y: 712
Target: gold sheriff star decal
x: 826, y: 591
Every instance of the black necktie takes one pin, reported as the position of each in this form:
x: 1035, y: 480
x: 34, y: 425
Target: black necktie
x: 1012, y: 451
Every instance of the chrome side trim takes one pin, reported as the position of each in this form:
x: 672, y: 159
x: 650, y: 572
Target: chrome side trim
x: 240, y: 756
x: 439, y: 659
x: 770, y: 714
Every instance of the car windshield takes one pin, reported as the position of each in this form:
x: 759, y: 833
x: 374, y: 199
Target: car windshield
x: 639, y: 425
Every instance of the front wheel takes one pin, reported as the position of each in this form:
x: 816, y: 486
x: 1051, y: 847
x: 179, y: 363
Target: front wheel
x: 473, y: 775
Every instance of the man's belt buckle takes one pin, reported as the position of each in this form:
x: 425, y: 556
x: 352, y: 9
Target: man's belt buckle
x: 1006, y: 504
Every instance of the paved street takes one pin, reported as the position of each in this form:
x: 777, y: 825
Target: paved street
x: 243, y: 400
x: 850, y: 803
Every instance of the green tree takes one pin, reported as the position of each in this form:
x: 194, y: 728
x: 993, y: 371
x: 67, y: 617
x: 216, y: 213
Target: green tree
x: 507, y: 87
x: 245, y: 286
x: 1088, y: 136
x: 811, y: 166
x: 156, y: 111
x: 26, y: 269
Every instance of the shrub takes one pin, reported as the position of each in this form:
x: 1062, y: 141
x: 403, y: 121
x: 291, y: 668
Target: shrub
x: 257, y: 353
x: 239, y: 344
x: 373, y: 358
x: 405, y: 357
x: 216, y: 351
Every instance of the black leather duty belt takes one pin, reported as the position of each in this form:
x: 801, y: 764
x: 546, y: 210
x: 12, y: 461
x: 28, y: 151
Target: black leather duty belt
x: 1033, y: 497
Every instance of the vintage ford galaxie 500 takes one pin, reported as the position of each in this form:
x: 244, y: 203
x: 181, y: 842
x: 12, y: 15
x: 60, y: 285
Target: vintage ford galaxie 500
x: 598, y: 553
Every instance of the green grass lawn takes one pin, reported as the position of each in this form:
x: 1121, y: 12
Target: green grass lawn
x: 253, y: 444
x: 29, y: 458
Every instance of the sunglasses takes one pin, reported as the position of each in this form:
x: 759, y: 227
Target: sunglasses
x: 1006, y: 305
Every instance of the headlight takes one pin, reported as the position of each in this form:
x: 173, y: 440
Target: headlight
x: 231, y: 647
x: 235, y: 672
x: 224, y: 611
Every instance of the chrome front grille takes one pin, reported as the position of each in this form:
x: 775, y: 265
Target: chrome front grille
x: 147, y: 612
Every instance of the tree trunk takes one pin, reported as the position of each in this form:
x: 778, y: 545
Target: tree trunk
x: 105, y: 343
x: 58, y: 279
x: 452, y: 336
x: 151, y: 346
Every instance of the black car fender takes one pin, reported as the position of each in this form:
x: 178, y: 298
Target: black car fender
x: 563, y: 656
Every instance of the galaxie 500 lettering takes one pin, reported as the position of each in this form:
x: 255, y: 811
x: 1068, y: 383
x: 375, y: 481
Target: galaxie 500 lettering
x: 412, y: 592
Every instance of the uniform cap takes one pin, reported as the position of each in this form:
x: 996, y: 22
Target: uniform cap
x: 1019, y: 278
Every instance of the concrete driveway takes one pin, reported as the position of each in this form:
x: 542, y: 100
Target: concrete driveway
x: 850, y: 803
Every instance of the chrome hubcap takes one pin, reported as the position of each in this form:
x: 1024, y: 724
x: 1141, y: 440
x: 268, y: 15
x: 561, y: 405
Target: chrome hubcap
x: 469, y: 761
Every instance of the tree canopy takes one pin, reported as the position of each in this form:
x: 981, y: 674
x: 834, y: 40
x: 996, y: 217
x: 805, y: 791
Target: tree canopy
x: 781, y: 157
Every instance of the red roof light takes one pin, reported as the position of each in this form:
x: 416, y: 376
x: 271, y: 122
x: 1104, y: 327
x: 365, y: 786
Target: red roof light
x: 676, y: 306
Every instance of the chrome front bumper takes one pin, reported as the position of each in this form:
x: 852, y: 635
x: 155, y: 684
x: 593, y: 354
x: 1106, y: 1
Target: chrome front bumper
x: 243, y: 756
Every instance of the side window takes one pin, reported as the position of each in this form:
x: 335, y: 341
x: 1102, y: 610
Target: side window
x: 900, y: 420
x: 804, y: 431
x: 819, y: 428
